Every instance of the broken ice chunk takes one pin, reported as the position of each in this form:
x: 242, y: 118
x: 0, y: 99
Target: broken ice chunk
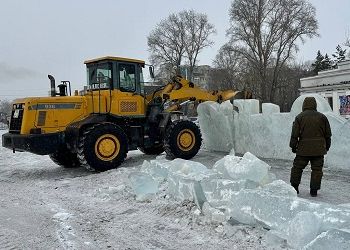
x: 213, y: 214
x: 263, y: 206
x: 248, y: 167
x: 143, y: 184
x: 304, y: 227
x: 158, y: 168
x: 279, y: 187
x: 184, y: 180
x: 332, y: 239
x: 218, y: 192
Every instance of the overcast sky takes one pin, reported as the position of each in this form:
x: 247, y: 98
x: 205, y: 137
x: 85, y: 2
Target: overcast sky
x: 38, y: 37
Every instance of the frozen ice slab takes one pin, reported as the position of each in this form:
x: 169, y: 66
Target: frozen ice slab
x: 275, y: 205
x: 143, y: 185
x: 270, y: 108
x: 331, y: 240
x: 215, y: 122
x: 338, y: 155
x: 248, y: 167
x: 247, y: 106
x: 304, y: 227
x: 218, y: 192
x: 184, y: 180
x: 269, y: 206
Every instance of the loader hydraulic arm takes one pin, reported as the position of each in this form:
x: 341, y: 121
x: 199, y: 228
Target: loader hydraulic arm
x: 182, y: 90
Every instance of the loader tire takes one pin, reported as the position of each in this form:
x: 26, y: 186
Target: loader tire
x: 155, y: 150
x: 64, y: 158
x: 102, y: 147
x: 182, y: 139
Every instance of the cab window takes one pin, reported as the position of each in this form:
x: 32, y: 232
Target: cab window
x: 127, y: 77
x: 99, y: 76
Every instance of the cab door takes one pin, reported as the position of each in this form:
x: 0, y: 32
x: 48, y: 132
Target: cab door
x: 128, y: 99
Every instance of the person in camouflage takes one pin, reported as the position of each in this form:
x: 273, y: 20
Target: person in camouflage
x: 310, y: 140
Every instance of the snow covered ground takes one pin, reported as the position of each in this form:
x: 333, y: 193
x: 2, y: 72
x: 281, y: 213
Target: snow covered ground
x: 44, y: 206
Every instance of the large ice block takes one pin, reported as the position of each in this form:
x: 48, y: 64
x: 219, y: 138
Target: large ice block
x: 337, y: 156
x: 275, y: 205
x: 248, y: 167
x: 184, y: 180
x: 143, y: 185
x: 247, y: 106
x: 270, y: 108
x: 215, y: 122
x: 218, y: 192
x: 157, y: 168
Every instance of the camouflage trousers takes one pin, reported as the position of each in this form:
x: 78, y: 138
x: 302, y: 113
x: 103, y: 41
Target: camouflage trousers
x: 300, y: 162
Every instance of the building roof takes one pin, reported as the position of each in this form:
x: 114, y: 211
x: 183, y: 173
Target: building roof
x: 341, y: 75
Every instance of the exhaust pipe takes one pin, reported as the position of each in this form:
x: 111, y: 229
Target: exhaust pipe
x: 53, y: 85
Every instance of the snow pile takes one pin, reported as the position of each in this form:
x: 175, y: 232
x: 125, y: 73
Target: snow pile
x: 266, y: 134
x: 241, y: 189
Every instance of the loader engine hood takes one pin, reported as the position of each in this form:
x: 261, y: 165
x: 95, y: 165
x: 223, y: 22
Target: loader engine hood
x: 45, y: 114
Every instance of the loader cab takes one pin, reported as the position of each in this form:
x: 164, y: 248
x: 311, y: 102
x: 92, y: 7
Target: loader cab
x: 115, y: 85
x: 115, y: 73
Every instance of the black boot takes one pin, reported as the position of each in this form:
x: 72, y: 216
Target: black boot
x: 313, y: 192
x: 296, y: 187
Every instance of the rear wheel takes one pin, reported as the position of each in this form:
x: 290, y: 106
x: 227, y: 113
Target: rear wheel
x: 182, y: 139
x: 102, y: 147
x: 64, y: 158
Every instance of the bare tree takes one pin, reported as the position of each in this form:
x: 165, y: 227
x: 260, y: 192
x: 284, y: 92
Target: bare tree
x: 180, y: 36
x: 167, y: 43
x: 266, y: 33
x: 197, y: 32
x: 227, y: 66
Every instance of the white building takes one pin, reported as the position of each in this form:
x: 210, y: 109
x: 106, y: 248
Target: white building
x: 334, y: 85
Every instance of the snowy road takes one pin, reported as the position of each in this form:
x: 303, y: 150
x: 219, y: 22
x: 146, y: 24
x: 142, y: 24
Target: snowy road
x: 44, y: 206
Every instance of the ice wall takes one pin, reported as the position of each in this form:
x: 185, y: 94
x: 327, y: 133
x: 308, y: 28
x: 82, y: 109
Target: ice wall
x: 266, y: 134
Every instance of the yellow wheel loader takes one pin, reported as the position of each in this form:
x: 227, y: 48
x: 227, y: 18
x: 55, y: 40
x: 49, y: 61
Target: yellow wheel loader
x: 97, y: 128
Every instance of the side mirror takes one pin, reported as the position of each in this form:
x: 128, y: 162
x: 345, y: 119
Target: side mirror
x: 151, y: 71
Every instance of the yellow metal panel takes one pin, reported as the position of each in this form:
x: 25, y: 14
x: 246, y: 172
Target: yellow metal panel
x: 127, y: 104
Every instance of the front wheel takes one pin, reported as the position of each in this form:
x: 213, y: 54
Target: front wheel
x: 182, y: 139
x: 102, y: 147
